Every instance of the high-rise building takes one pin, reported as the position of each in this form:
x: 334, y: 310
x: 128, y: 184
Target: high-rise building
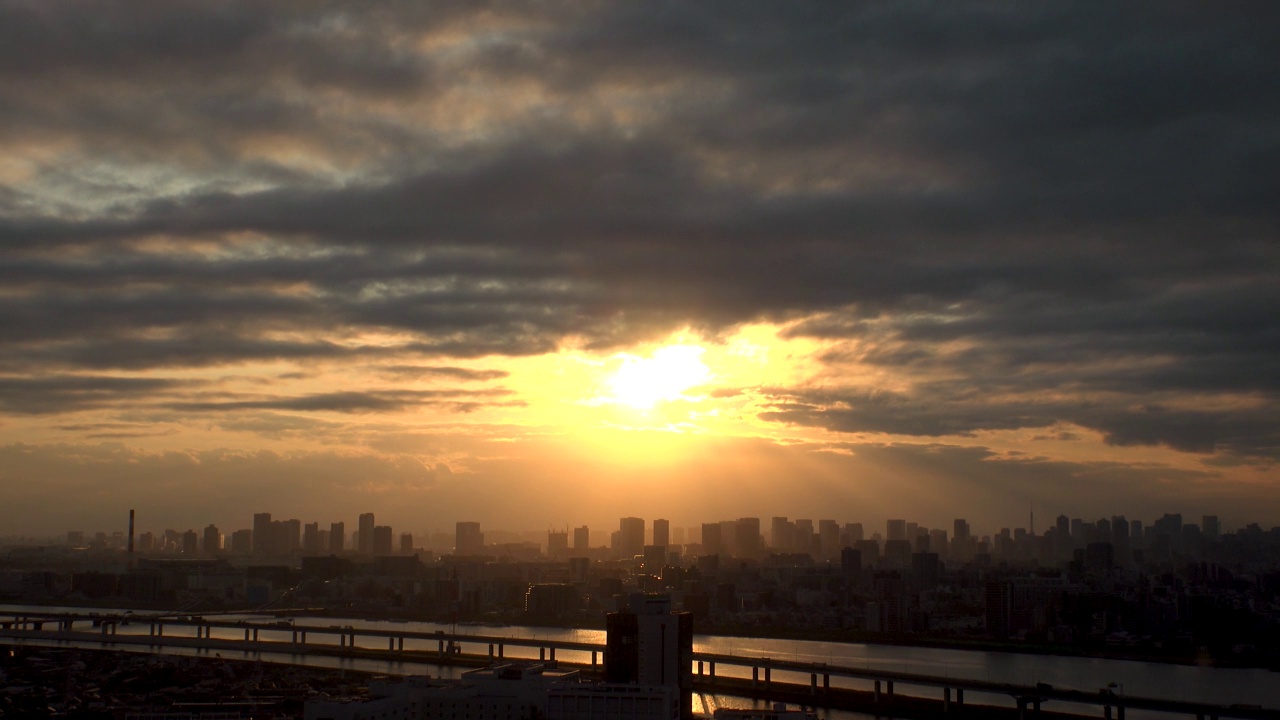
x: 661, y: 533
x: 747, y: 535
x: 311, y: 539
x: 337, y: 537
x: 1210, y: 526
x: 711, y: 541
x: 364, y: 537
x: 212, y: 540
x: 938, y: 543
x: 581, y: 539
x: 829, y: 539
x: 406, y: 543
x: 286, y: 536
x: 647, y: 644
x: 467, y: 539
x: 853, y: 533
x: 382, y: 539
x: 782, y: 534
x: 804, y: 535
x: 557, y: 544
x: 262, y: 534
x: 189, y: 541
x: 896, y: 530
x: 630, y: 538
x: 242, y: 542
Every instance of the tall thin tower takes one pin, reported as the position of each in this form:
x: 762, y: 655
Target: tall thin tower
x: 130, y: 538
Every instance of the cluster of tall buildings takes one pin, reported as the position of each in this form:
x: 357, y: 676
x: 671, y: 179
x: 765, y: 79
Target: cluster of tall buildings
x: 823, y: 540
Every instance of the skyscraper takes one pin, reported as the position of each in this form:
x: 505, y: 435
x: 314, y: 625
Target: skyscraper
x: 337, y: 537
x: 747, y: 535
x: 262, y: 535
x: 661, y: 533
x: 829, y: 539
x: 803, y: 536
x: 467, y: 539
x: 364, y: 537
x: 311, y: 538
x: 782, y: 534
x: 896, y: 530
x: 382, y: 540
x: 630, y: 537
x: 557, y: 544
x: 711, y: 540
x: 212, y: 540
x: 581, y: 539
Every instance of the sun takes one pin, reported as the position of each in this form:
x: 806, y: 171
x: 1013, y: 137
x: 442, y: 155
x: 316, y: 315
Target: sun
x: 644, y: 382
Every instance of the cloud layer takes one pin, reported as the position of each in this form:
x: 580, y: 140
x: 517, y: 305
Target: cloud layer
x: 1049, y: 218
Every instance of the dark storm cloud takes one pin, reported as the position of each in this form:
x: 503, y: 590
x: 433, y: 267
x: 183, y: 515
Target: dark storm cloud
x: 453, y: 373
x: 358, y: 402
x: 1066, y: 209
x: 67, y: 393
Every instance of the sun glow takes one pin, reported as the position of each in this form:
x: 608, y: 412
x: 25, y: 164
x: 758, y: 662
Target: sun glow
x: 665, y: 376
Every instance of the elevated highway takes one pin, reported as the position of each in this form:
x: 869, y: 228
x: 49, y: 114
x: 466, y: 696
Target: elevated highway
x: 768, y: 678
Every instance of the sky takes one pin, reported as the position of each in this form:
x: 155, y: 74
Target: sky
x: 549, y: 264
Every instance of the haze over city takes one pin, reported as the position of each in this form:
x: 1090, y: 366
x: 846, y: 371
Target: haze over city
x: 548, y: 266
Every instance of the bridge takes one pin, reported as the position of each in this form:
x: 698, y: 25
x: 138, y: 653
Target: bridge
x: 441, y: 647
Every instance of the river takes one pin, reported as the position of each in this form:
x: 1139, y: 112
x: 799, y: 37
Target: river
x: 1179, y: 682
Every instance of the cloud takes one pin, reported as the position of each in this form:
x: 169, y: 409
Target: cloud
x: 69, y: 393
x: 356, y: 402
x: 1029, y: 216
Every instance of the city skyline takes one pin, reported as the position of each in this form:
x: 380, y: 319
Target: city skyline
x: 746, y: 536
x: 568, y: 263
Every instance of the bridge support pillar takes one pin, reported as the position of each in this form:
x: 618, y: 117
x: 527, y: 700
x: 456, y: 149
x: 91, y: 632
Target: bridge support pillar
x: 500, y: 649
x: 1119, y: 712
x: 877, y: 691
x: 712, y: 668
x: 302, y: 637
x: 1106, y: 712
x: 768, y: 677
x: 552, y: 653
x: 246, y: 634
x: 255, y: 634
x: 391, y: 643
x: 959, y: 696
x: 542, y: 653
x: 1022, y: 709
x: 160, y: 630
x: 888, y: 687
x: 400, y: 643
x: 441, y: 649
x: 946, y: 700
x: 152, y: 631
x: 755, y: 676
x: 293, y: 637
x: 826, y: 682
x: 490, y: 649
x: 813, y: 683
